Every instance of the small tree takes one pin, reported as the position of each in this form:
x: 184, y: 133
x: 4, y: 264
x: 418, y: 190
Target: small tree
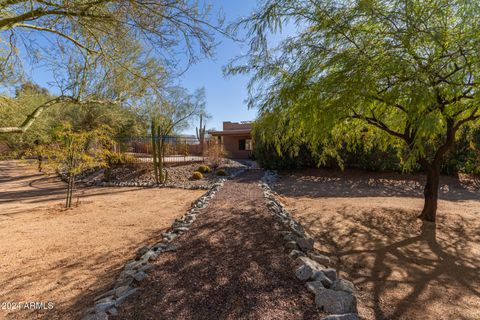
x: 167, y: 114
x: 76, y: 151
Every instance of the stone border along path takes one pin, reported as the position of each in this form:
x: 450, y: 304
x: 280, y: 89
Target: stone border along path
x: 332, y: 294
x: 136, y: 270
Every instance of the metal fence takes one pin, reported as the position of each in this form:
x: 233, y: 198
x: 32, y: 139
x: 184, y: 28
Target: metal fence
x: 178, y: 149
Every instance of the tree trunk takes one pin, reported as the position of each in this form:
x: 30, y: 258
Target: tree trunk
x: 154, y: 152
x: 430, y: 193
x: 70, y: 184
x: 160, y: 148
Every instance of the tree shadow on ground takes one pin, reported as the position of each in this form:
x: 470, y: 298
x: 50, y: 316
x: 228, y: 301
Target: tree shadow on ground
x: 50, y: 189
x: 72, y: 273
x: 403, y: 268
x: 316, y: 183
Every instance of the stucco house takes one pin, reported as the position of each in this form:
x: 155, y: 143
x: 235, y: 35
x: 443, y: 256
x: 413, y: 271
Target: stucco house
x: 236, y: 138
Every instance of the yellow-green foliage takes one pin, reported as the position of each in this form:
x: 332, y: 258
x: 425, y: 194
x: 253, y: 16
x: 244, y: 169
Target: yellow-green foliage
x: 204, y: 169
x: 117, y: 158
x: 197, y: 175
x: 221, y: 172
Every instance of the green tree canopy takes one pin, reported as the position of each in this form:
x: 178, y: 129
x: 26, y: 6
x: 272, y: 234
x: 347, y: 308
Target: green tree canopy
x: 407, y: 69
x: 107, y: 51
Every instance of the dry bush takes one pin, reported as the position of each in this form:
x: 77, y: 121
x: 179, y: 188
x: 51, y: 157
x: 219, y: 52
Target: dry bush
x: 215, y: 155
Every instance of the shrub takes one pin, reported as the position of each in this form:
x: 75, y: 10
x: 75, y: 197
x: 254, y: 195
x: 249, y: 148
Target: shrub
x: 117, y: 158
x: 215, y: 154
x: 204, y: 169
x: 221, y: 173
x: 197, y: 175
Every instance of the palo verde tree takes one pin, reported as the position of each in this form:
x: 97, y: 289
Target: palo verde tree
x: 73, y: 152
x: 406, y: 72
x: 115, y: 38
x: 167, y: 113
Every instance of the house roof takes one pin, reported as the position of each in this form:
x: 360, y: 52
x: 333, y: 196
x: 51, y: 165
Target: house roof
x: 234, y: 132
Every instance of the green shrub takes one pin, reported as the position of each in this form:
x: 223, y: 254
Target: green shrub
x: 221, y: 173
x: 117, y: 158
x: 204, y: 169
x: 197, y: 175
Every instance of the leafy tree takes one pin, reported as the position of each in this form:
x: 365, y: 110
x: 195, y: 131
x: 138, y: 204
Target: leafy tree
x: 405, y: 70
x: 101, y: 51
x: 73, y: 152
x: 16, y: 109
x: 168, y: 113
x: 122, y: 120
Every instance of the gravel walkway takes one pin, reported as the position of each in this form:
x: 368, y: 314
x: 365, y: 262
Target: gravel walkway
x: 230, y: 265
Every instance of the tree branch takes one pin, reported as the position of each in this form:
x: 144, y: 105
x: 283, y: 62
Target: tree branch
x: 381, y: 125
x: 76, y: 42
x: 40, y: 109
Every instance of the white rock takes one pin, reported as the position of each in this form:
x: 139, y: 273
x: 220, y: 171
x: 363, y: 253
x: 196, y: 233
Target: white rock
x: 307, y: 268
x: 127, y: 294
x: 140, y: 276
x: 330, y: 273
x: 320, y: 276
x: 306, y: 244
x: 104, y: 304
x: 343, y: 285
x: 320, y: 258
x: 314, y: 286
x: 346, y: 316
x: 337, y: 302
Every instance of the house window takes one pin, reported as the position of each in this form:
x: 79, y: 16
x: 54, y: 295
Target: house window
x: 241, y: 144
x: 245, y: 144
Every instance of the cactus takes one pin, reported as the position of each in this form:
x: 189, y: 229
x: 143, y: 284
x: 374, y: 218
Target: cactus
x: 158, y: 150
x: 201, y: 133
x: 154, y: 151
x: 204, y: 169
x: 197, y: 175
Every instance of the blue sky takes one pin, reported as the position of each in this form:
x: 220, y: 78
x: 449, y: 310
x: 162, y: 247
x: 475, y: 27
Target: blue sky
x: 225, y: 95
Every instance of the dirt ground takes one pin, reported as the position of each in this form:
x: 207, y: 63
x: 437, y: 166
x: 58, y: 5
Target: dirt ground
x: 230, y: 265
x: 67, y: 257
x: 402, y: 269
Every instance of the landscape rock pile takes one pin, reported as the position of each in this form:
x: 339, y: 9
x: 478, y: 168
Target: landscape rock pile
x: 332, y: 294
x: 141, y: 175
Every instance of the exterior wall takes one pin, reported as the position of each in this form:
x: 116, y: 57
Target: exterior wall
x: 230, y: 143
x: 227, y: 125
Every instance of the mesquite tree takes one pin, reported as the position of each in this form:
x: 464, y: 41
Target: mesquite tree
x: 405, y: 72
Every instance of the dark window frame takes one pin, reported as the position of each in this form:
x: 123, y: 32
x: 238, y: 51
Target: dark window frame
x: 242, y: 144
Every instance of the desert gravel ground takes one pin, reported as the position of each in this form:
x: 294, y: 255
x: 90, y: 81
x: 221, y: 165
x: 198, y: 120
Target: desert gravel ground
x: 67, y: 257
x: 403, y: 269
x: 230, y: 265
